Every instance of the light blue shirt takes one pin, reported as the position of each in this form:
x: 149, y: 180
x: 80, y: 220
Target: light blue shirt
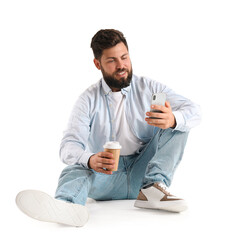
x: 91, y: 122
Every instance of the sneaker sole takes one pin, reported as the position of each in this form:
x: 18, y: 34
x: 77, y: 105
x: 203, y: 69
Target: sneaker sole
x: 180, y: 206
x: 41, y: 206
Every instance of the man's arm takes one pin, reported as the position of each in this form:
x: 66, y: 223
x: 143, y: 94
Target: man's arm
x: 187, y: 114
x: 75, y: 139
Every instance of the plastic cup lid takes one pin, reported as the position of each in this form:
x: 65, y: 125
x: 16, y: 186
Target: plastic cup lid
x: 112, y: 145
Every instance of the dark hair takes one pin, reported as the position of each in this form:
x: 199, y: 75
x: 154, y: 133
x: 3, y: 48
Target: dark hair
x: 104, y: 39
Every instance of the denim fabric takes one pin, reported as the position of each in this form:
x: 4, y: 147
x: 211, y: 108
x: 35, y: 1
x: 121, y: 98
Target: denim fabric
x: 156, y: 162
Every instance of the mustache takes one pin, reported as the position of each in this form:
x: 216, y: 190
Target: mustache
x: 120, y: 70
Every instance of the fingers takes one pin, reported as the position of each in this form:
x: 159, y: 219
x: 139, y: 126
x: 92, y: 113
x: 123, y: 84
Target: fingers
x: 105, y: 159
x: 109, y: 165
x: 159, y: 108
x: 105, y: 155
x: 153, y: 122
x: 167, y: 104
x: 161, y: 124
x: 163, y: 120
x: 162, y: 108
x: 155, y: 115
x: 104, y: 162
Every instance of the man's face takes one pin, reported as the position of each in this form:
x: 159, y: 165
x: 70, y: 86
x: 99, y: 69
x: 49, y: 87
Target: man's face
x: 116, y: 67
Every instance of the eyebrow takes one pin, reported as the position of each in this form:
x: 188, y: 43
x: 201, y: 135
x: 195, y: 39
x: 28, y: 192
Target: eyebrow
x: 115, y: 57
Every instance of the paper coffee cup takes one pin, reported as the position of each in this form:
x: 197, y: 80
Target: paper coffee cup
x: 113, y: 147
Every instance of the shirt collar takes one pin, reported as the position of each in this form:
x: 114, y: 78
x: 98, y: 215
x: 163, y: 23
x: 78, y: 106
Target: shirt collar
x: 107, y: 89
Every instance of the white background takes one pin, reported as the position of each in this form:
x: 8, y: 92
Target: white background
x: 46, y: 62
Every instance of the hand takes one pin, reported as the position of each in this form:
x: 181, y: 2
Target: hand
x: 166, y: 117
x: 102, y: 160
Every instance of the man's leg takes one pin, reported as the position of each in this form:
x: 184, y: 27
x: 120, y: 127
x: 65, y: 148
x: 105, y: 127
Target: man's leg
x: 68, y: 205
x: 169, y: 152
x: 156, y: 165
x: 159, y: 159
x: 74, y: 184
x: 110, y: 187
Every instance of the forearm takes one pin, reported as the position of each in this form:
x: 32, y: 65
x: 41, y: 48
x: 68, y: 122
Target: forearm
x: 187, y: 113
x: 187, y: 117
x: 71, y: 153
x: 73, y: 147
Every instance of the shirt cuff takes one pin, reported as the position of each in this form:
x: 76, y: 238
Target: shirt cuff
x: 85, y: 158
x: 180, y: 122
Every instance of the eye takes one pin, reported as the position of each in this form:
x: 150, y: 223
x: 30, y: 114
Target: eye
x: 110, y: 61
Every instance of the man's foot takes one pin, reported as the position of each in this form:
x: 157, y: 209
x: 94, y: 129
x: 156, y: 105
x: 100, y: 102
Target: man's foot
x: 42, y: 207
x: 157, y: 196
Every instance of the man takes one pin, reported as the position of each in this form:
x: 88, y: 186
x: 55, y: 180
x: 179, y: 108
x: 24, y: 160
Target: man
x: 117, y: 108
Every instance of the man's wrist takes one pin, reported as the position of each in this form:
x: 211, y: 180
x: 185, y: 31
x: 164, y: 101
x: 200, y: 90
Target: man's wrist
x: 174, y: 122
x: 88, y: 163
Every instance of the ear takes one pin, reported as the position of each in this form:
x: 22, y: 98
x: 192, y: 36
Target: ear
x: 97, y: 64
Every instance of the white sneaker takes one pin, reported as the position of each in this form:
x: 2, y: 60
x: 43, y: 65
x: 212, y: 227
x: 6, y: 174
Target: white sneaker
x: 157, y: 196
x: 42, y: 207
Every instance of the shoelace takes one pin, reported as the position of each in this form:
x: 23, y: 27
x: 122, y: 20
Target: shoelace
x: 164, y: 187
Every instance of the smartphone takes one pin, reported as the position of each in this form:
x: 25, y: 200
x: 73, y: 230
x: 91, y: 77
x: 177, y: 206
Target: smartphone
x: 158, y: 99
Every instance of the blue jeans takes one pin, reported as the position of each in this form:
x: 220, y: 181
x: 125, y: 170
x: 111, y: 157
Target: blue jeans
x: 155, y: 162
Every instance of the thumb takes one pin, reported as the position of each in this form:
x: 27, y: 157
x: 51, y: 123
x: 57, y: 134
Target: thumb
x: 167, y: 104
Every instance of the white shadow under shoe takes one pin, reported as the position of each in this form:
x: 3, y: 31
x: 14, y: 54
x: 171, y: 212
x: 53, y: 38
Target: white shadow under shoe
x: 41, y: 206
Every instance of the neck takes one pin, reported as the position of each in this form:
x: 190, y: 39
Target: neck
x: 115, y: 89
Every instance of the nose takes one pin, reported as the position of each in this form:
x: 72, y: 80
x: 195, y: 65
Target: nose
x: 120, y: 64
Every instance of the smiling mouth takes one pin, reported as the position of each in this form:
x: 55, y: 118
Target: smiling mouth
x: 121, y: 73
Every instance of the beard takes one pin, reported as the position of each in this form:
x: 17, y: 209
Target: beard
x: 113, y: 82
